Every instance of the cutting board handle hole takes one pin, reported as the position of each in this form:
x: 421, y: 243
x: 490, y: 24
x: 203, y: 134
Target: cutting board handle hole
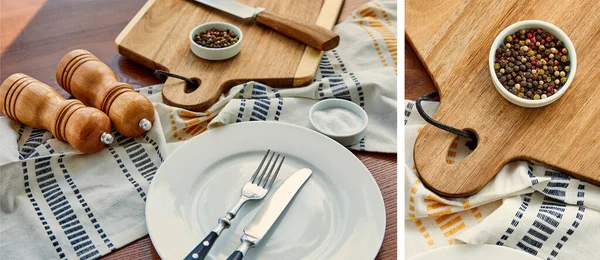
x: 189, y: 88
x: 460, y: 148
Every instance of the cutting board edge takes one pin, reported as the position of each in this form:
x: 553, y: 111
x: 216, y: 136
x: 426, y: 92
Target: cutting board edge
x: 307, y: 68
x: 136, y: 18
x: 305, y: 71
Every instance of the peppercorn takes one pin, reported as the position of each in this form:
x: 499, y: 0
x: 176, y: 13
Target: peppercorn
x: 216, y: 38
x: 530, y: 63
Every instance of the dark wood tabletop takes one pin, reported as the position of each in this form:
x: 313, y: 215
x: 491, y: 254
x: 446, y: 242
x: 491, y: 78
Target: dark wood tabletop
x: 35, y: 34
x: 416, y: 80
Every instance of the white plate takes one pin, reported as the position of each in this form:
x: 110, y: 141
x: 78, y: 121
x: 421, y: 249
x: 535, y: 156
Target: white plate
x: 474, y: 252
x: 338, y: 214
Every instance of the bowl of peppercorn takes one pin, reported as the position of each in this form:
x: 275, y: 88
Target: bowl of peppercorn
x: 216, y: 41
x: 532, y: 63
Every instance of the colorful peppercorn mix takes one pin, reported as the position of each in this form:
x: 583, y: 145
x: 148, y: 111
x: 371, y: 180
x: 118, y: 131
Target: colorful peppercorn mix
x: 216, y: 38
x: 532, y: 64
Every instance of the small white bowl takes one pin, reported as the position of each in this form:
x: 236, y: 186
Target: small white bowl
x: 344, y: 139
x: 216, y: 53
x: 527, y: 25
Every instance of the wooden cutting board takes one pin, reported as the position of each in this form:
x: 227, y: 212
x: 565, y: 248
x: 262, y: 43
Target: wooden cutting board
x: 453, y: 38
x: 158, y: 38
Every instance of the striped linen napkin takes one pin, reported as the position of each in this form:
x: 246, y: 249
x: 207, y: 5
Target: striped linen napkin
x: 56, y: 203
x: 526, y: 206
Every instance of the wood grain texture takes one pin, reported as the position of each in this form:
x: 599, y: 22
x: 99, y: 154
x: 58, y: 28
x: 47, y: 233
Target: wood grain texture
x: 159, y: 39
x: 88, y: 79
x: 94, y: 26
x: 416, y: 78
x: 36, y: 104
x: 453, y: 39
x: 311, y: 34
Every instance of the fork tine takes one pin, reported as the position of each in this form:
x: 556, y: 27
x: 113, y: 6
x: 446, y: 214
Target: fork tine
x: 265, y: 180
x: 259, y: 166
x: 259, y: 178
x: 275, y: 175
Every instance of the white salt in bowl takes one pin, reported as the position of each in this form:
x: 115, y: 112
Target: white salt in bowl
x: 340, y: 120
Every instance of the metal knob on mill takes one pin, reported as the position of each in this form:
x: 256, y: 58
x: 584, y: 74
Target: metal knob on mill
x: 88, y: 79
x: 36, y: 104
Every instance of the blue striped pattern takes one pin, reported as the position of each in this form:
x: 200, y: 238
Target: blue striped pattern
x: 260, y: 102
x: 241, y: 93
x: 259, y: 91
x: 548, y: 218
x: 569, y: 233
x: 62, y: 210
x: 361, y: 96
x: 407, y: 112
x: 155, y: 145
x: 580, y: 194
x: 138, y: 155
x: 20, y: 132
x: 339, y: 89
x: 557, y: 187
x: 84, y: 205
x: 339, y: 60
x: 515, y: 221
x: 320, y: 90
x: 39, y: 213
x: 325, y: 67
x: 34, y: 140
x: 241, y: 110
x: 136, y: 185
x: 534, y: 179
x: 260, y: 110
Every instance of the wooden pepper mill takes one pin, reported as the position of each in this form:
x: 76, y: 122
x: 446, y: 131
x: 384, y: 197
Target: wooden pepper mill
x: 36, y: 104
x: 90, y: 80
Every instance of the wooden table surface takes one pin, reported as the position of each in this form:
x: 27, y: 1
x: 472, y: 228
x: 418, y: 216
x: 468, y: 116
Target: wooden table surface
x: 416, y: 80
x: 35, y: 34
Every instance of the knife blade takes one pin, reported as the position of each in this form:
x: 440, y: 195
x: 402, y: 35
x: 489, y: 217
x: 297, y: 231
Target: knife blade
x: 235, y: 8
x: 310, y: 34
x: 270, y: 212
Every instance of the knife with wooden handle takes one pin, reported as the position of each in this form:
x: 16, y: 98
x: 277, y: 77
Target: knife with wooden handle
x: 311, y: 34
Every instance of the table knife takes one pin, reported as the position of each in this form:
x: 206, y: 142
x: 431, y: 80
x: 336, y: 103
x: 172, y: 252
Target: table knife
x: 310, y: 34
x: 268, y: 214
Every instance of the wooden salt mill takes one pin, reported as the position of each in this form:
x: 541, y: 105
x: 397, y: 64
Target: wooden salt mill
x: 90, y: 80
x: 36, y: 104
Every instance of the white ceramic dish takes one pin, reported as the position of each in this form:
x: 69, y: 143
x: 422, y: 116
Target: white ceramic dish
x: 338, y: 214
x: 345, y: 139
x: 527, y: 25
x: 474, y: 252
x: 216, y: 53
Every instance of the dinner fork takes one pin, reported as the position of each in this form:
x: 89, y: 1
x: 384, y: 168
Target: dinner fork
x: 255, y: 189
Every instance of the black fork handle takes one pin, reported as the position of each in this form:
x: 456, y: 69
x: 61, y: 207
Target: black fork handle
x: 201, y: 250
x: 236, y: 255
